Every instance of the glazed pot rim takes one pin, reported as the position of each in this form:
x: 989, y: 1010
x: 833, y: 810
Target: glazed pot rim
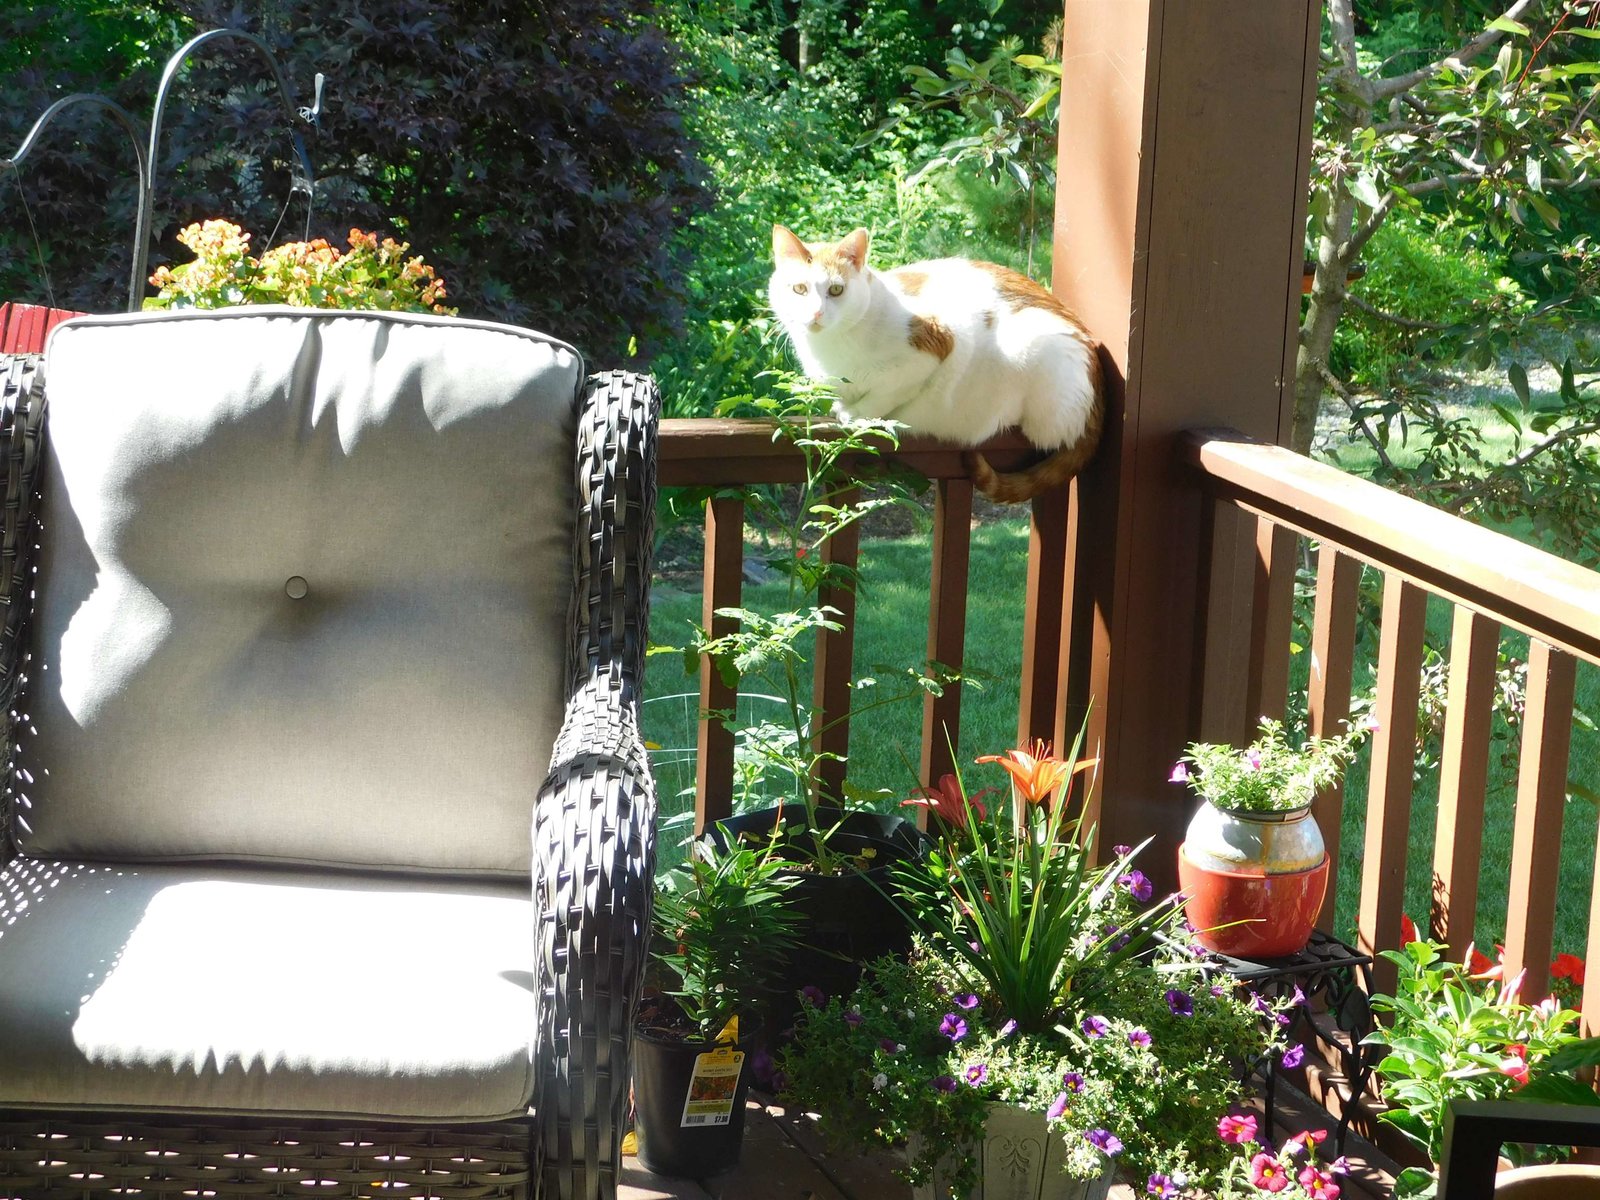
x: 1273, y: 816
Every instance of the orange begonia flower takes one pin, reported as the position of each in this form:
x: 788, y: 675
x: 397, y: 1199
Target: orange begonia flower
x: 1038, y: 774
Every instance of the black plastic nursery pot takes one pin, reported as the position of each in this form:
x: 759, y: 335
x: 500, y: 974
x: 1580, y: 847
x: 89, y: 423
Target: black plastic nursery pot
x: 845, y: 920
x: 689, y: 1125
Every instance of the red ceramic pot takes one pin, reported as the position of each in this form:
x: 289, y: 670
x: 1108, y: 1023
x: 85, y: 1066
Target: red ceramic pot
x: 1252, y: 914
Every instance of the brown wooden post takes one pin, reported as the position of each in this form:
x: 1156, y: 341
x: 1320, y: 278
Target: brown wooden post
x: 1277, y: 557
x: 1043, y: 608
x: 1333, y: 656
x: 1180, y: 242
x: 721, y: 587
x: 1463, y: 777
x: 947, y: 625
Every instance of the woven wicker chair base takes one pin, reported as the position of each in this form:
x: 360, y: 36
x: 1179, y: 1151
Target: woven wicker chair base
x: 162, y: 1159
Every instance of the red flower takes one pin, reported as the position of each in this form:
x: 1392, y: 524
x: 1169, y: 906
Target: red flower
x: 1268, y: 1174
x: 1319, y: 1185
x: 1568, y: 966
x: 1515, y: 1064
x: 1037, y: 775
x: 948, y: 802
x: 1479, y: 967
x: 1408, y: 930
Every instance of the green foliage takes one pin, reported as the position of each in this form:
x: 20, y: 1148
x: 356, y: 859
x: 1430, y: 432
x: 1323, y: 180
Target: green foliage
x: 1444, y: 288
x: 1268, y: 775
x: 724, y: 925
x: 372, y: 275
x: 1453, y: 1036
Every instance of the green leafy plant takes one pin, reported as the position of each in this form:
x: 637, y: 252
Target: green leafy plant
x: 370, y: 275
x: 1041, y: 981
x: 1457, y: 1035
x: 723, y: 927
x: 1268, y: 775
x: 782, y: 757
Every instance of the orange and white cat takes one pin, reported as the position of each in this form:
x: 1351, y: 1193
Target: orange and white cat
x: 953, y: 348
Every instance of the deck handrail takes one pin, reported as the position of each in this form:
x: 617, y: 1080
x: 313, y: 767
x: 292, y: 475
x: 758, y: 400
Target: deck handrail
x: 1514, y: 583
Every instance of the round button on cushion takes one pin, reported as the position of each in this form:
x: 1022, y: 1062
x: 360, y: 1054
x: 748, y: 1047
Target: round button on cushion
x: 296, y: 588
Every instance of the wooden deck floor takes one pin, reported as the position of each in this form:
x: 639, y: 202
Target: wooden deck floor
x: 784, y: 1159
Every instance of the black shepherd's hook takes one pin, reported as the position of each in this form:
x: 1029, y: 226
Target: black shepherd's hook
x: 302, y: 178
x: 135, y: 134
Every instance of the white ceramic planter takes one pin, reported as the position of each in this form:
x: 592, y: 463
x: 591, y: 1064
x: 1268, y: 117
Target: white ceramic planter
x: 1020, y: 1159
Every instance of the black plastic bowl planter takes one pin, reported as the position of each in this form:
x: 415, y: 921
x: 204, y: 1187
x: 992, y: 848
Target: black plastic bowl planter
x: 688, y: 1128
x: 845, y: 920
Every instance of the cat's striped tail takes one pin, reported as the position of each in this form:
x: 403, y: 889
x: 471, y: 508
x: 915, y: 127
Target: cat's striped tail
x: 1014, y: 487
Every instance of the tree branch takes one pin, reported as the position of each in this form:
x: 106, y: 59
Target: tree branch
x: 1373, y: 310
x: 1333, y: 381
x: 1363, y: 233
x: 1395, y: 84
x: 1488, y: 482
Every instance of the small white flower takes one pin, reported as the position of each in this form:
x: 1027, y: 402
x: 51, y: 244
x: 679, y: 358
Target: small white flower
x: 899, y: 1047
x: 880, y: 1081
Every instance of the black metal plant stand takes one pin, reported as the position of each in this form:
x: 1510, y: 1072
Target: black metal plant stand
x: 1332, y: 978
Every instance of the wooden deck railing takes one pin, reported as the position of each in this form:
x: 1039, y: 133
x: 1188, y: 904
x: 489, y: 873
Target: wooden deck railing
x: 1494, y: 583
x: 734, y: 453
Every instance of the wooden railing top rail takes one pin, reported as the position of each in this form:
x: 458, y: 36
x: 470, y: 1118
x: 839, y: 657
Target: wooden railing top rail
x: 729, y: 452
x: 1516, y: 584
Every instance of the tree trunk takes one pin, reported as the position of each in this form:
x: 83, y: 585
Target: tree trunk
x: 1328, y: 291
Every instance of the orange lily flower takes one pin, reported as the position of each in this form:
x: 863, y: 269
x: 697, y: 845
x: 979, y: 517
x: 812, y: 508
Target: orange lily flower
x: 948, y: 803
x: 1038, y: 774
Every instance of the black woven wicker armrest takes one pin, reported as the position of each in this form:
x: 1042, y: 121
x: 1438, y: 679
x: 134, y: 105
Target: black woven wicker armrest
x: 21, y: 429
x: 594, y: 831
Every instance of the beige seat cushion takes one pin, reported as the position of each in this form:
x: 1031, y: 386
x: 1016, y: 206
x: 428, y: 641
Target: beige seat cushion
x: 305, y: 592
x: 164, y: 988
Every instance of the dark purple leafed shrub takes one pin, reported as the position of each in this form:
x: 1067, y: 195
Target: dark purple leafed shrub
x: 532, y: 151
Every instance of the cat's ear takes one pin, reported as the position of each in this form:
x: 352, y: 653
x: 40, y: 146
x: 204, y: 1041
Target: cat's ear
x: 786, y: 245
x: 854, y: 248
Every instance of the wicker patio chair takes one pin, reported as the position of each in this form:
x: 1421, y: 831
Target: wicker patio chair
x: 295, y: 897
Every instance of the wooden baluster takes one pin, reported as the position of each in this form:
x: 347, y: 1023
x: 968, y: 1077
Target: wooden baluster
x: 947, y: 626
x: 1463, y: 778
x: 1383, y: 877
x: 1267, y: 684
x: 1333, y: 655
x: 833, y: 662
x: 1541, y: 794
x: 721, y: 588
x: 1222, y: 675
x: 1043, y: 605
x: 1591, y: 979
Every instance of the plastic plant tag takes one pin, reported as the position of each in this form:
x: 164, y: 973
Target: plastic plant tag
x: 712, y: 1087
x: 730, y: 1033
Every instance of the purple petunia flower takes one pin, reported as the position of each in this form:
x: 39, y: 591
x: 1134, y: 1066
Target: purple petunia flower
x: 1138, y: 885
x: 1292, y: 1056
x: 977, y: 1073
x: 813, y: 995
x: 1104, y: 1140
x: 953, y: 1027
x: 1139, y: 1038
x: 1180, y: 1002
x: 1072, y: 1081
x: 945, y: 1083
x: 967, y: 1001
x: 853, y: 1019
x: 1096, y: 1027
x: 887, y: 1045
x: 1122, y: 851
x: 1057, y: 1107
x: 1161, y: 1186
x: 1180, y: 773
x: 1008, y: 1029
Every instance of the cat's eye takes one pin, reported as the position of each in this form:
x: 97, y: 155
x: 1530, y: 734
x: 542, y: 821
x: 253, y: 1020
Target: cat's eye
x: 800, y: 289
x: 836, y: 289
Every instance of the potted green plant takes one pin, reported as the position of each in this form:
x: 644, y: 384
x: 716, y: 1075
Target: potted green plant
x: 838, y: 849
x: 1458, y: 1033
x: 722, y: 927
x: 1052, y: 1023
x: 1253, y: 862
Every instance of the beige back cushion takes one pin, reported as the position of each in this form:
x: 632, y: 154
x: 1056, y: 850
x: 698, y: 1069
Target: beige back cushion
x: 304, y: 592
